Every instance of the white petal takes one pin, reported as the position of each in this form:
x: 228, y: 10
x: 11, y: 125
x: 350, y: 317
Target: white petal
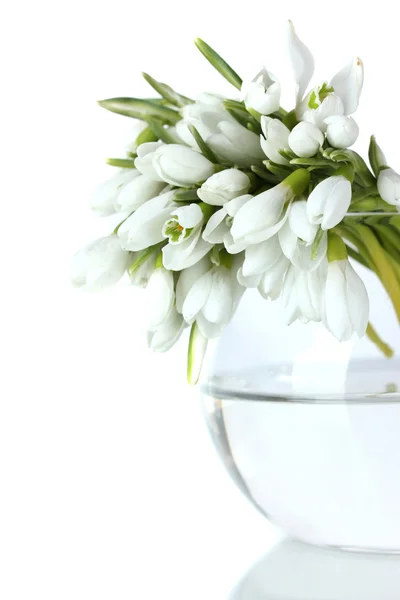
x: 160, y: 297
x: 260, y: 257
x: 165, y: 336
x: 137, y: 192
x: 106, y: 193
x: 357, y: 301
x: 335, y: 311
x: 189, y: 216
x: 209, y: 330
x: 300, y: 223
x: 216, y: 228
x: 302, y: 62
x: 99, y: 265
x: 187, y: 278
x: 196, y: 297
x: 250, y: 281
x: 272, y: 279
x: 348, y: 84
x: 236, y: 204
x: 219, y: 304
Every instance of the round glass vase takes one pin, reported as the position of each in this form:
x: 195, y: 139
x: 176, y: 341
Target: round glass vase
x: 308, y: 427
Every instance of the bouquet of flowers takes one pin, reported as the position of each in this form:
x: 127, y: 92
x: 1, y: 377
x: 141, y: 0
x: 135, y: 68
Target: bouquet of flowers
x: 219, y: 195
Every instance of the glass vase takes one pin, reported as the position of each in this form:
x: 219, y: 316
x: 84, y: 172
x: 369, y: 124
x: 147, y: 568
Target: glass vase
x: 308, y: 427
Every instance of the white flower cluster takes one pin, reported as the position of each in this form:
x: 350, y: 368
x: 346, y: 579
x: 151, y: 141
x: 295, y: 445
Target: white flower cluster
x: 222, y: 195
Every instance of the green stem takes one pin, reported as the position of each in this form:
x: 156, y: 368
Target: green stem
x: 377, y: 340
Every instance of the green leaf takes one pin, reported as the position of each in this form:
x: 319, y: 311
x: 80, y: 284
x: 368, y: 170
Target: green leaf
x: 124, y: 163
x: 145, y: 136
x: 264, y: 174
x: 363, y: 174
x: 186, y: 195
x: 196, y: 352
x: 140, y: 109
x: 167, y: 92
x: 203, y: 146
x: 280, y: 171
x: 314, y: 162
x: 219, y: 64
x: 238, y: 111
x: 290, y: 119
x: 287, y: 154
x: 160, y: 132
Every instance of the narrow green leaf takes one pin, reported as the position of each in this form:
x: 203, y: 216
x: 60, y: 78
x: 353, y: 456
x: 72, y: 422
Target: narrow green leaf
x: 363, y: 174
x: 167, y: 92
x: 264, y: 174
x: 124, y: 163
x: 238, y: 111
x: 219, y: 63
x: 196, y: 352
x: 287, y: 154
x: 290, y: 119
x: 140, y: 109
x: 147, y: 135
x: 377, y: 340
x: 186, y: 195
x: 160, y: 132
x: 280, y: 171
x: 203, y: 146
x: 314, y: 162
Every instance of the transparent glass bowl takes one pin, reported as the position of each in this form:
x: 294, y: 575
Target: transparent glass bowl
x: 309, y: 428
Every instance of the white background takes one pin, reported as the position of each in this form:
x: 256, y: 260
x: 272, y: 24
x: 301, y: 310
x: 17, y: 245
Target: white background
x: 109, y: 485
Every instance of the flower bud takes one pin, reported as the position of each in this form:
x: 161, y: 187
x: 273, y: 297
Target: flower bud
x: 236, y: 145
x: 348, y: 85
x: 377, y: 159
x: 330, y: 105
x: 181, y: 166
x: 99, y: 265
x: 275, y: 137
x: 389, y: 186
x: 224, y: 186
x: 262, y: 94
x: 106, y: 194
x: 342, y: 132
x: 137, y: 192
x: 305, y: 139
x: 329, y: 202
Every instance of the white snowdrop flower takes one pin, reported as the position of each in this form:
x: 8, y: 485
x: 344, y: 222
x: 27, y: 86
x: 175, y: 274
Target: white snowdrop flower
x: 142, y: 265
x: 329, y: 201
x: 341, y: 131
x: 181, y: 166
x: 205, y: 114
x: 275, y: 137
x: 302, y: 62
x: 106, y: 194
x: 185, y: 245
x: 212, y: 299
x: 99, y: 265
x: 144, y: 160
x: 262, y: 216
x: 302, y: 294
x: 144, y: 227
x: 305, y: 139
x: 348, y: 84
x: 262, y: 93
x: 137, y: 192
x: 163, y: 337
x: 345, y: 303
x: 389, y: 186
x: 218, y: 227
x: 318, y: 111
x: 160, y: 296
x: 224, y: 186
x: 236, y: 145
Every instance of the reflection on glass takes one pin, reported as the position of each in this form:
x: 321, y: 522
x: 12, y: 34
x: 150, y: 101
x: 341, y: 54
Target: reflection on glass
x: 295, y: 571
